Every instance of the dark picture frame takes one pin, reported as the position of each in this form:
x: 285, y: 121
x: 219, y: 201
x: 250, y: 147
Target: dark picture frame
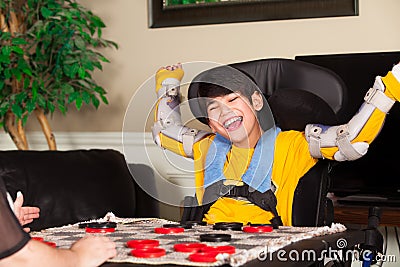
x: 245, y: 11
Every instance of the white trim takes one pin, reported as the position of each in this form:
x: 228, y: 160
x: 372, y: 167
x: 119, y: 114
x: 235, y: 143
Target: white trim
x: 80, y: 140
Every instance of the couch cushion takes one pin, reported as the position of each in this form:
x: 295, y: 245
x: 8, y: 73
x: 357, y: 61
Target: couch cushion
x: 70, y: 186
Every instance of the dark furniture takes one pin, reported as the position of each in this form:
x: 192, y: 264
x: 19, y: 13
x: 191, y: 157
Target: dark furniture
x: 77, y: 185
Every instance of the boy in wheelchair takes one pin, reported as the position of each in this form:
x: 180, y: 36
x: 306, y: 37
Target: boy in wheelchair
x: 246, y: 168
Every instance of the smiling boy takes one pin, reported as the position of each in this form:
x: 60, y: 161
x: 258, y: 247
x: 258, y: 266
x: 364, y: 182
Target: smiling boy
x: 245, y: 151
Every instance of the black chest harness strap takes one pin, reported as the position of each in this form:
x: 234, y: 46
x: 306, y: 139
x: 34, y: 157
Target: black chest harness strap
x: 267, y: 201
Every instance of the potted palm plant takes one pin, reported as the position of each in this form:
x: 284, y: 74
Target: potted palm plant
x: 48, y: 53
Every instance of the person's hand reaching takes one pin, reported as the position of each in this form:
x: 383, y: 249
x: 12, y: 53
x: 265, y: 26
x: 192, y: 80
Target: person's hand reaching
x: 27, y: 214
x: 93, y: 250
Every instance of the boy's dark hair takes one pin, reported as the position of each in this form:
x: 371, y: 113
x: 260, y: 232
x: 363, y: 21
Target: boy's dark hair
x: 224, y: 80
x: 210, y: 90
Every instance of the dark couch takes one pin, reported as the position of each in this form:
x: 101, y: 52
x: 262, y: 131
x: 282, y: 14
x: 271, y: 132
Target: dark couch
x: 77, y: 185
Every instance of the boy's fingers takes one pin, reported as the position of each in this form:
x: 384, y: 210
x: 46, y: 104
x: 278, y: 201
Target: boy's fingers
x: 171, y: 67
x: 177, y: 66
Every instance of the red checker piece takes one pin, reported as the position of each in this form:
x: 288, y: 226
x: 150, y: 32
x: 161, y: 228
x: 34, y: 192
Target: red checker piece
x: 37, y: 238
x: 143, y: 243
x: 257, y: 229
x: 148, y: 252
x: 51, y: 244
x: 99, y: 230
x: 169, y: 230
x: 189, y: 247
x: 203, y: 256
x: 220, y: 249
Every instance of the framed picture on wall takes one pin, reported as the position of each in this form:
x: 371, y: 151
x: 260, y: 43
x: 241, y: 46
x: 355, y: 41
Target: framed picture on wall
x: 172, y: 13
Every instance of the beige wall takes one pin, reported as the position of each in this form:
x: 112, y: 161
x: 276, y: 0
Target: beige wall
x: 143, y: 50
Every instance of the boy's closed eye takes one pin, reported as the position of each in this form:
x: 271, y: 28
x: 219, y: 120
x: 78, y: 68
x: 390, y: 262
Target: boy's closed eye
x: 212, y: 105
x: 212, y: 108
x: 233, y: 98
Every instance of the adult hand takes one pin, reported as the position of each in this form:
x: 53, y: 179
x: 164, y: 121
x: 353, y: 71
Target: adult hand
x: 93, y: 250
x: 25, y: 215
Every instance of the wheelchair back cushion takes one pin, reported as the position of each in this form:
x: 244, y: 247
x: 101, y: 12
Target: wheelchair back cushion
x: 293, y: 109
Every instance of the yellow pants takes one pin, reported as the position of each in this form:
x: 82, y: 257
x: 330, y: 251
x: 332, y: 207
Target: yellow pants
x: 232, y: 210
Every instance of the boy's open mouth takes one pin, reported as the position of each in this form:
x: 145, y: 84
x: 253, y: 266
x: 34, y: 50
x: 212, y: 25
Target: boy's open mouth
x: 233, y: 123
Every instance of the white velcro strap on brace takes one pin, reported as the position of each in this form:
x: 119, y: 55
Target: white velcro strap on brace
x: 168, y: 90
x: 170, y: 87
x: 344, y: 145
x: 156, y: 130
x: 172, y: 90
x: 188, y: 141
x: 315, y: 141
x: 378, y: 99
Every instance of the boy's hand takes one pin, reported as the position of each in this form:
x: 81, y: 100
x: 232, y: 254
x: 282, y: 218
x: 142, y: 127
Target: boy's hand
x: 25, y: 215
x: 163, y: 73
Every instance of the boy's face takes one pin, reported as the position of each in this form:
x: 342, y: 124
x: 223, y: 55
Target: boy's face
x: 234, y: 117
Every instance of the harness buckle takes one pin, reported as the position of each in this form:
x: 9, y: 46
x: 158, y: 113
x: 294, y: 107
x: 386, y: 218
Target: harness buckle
x: 234, y: 191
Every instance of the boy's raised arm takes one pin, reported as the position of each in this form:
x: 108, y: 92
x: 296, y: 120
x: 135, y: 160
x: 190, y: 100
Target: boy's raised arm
x: 168, y: 130
x: 350, y: 141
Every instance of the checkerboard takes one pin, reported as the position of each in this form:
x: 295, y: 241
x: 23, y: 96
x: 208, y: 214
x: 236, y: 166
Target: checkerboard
x: 248, y: 245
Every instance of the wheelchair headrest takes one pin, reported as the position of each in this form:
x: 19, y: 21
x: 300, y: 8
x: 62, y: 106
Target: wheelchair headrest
x: 277, y: 74
x: 293, y: 109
